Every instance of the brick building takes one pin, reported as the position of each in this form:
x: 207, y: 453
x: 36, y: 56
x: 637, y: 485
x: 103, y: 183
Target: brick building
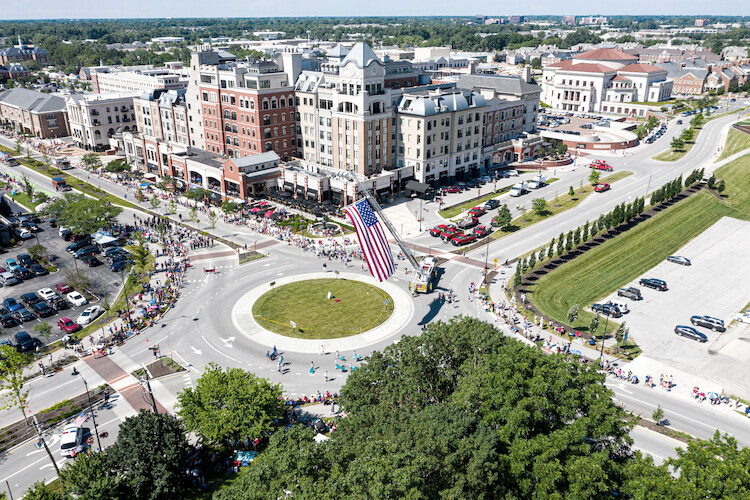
x: 41, y: 114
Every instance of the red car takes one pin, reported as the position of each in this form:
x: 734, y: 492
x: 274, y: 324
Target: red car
x: 438, y: 230
x: 601, y: 165
x: 68, y: 325
x: 477, y: 211
x: 600, y: 188
x: 463, y: 239
x: 481, y: 231
x: 63, y: 288
x: 452, y: 189
x: 450, y: 233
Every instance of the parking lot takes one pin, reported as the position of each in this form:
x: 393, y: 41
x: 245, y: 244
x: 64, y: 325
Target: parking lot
x: 717, y: 283
x: 103, y: 281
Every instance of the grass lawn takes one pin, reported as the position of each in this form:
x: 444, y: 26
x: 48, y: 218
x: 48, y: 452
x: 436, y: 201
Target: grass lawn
x: 23, y: 199
x: 670, y: 155
x: 451, y: 212
x: 356, y: 307
x: 555, y: 206
x: 736, y: 142
x: 599, y: 271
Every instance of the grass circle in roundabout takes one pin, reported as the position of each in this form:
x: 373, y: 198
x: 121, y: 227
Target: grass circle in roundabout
x: 354, y: 307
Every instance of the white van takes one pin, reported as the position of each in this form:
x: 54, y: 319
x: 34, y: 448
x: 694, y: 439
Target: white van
x: 7, y: 279
x: 621, y: 305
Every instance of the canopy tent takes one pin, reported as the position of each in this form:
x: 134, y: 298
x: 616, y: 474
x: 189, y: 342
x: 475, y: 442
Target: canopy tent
x: 102, y: 237
x: 418, y: 187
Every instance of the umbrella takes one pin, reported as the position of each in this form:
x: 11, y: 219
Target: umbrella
x: 268, y: 214
x: 255, y: 210
x: 144, y: 184
x: 712, y: 395
x: 575, y: 351
x: 262, y: 203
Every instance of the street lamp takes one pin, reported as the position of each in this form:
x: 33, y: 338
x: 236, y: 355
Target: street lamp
x: 93, y: 417
x: 604, y: 336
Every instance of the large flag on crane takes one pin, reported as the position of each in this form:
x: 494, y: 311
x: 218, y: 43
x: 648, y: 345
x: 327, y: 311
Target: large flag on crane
x: 372, y: 239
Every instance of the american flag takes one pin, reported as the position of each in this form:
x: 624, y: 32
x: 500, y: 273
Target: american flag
x: 372, y: 239
x: 81, y: 419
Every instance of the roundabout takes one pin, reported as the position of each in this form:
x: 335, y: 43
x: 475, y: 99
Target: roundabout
x: 322, y: 308
x: 294, y: 313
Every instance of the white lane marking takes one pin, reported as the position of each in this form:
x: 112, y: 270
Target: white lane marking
x: 215, y: 349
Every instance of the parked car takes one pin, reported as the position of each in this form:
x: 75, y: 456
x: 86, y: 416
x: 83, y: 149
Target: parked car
x: 11, y: 265
x: 690, y: 332
x: 87, y: 250
x: 8, y: 321
x: 512, y: 173
x: 23, y: 315
x: 631, y: 293
x: 11, y: 305
x: 90, y: 260
x: 452, y: 189
x: 474, y: 183
x: 42, y: 310
x: 46, y: 294
x: 77, y: 299
x: 25, y: 259
x: 118, y: 265
x: 68, y: 325
x: 63, y: 288
x: 621, y: 305
x: 30, y: 299
x: 7, y: 279
x: 477, y: 211
x: 678, y: 259
x: 601, y: 187
x: 491, y: 204
x: 24, y: 342
x: 744, y: 317
x: 89, y: 315
x: 654, y: 283
x: 607, y: 310
x: 449, y: 233
x: 714, y: 324
x: 23, y: 233
x: 71, y: 442
x: 481, y: 231
x: 38, y: 270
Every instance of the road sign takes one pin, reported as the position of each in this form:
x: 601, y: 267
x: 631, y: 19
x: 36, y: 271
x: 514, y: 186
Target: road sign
x: 495, y: 261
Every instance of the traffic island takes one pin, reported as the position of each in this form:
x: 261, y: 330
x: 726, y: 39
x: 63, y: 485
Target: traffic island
x: 322, y: 308
x: 295, y: 313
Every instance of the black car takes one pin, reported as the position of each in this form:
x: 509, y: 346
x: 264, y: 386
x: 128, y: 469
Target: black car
x: 474, y: 183
x: 23, y: 315
x: 690, y: 332
x: 653, y: 283
x: 8, y: 321
x: 119, y: 265
x: 24, y: 342
x: 30, y: 299
x: 90, y: 260
x: 462, y: 186
x: 39, y: 269
x: 58, y: 303
x: 714, y: 324
x: 607, y: 309
x: 113, y: 257
x: 74, y: 247
x: 25, y: 259
x: 42, y: 310
x: 23, y: 274
x: 492, y: 204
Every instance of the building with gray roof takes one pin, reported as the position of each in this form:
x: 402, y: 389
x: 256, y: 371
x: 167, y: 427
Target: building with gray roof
x: 34, y: 112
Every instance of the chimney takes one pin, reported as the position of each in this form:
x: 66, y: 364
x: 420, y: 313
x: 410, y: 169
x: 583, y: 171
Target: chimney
x: 526, y: 74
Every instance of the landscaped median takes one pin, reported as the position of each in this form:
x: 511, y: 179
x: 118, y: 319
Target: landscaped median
x: 555, y: 206
x: 588, y: 276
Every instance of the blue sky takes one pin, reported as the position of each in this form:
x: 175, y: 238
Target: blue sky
x: 71, y: 9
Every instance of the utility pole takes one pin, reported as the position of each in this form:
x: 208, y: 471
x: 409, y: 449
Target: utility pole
x: 44, y: 443
x: 604, y: 336
x: 145, y: 379
x: 93, y: 417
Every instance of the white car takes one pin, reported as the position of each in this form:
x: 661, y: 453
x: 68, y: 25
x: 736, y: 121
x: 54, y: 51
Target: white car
x: 72, y: 442
x: 23, y: 233
x: 744, y: 317
x: 89, y: 315
x: 46, y: 294
x: 512, y: 173
x: 77, y: 299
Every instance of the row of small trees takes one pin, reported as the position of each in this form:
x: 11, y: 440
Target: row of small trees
x: 565, y: 243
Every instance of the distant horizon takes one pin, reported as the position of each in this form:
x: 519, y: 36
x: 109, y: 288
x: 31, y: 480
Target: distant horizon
x: 80, y: 10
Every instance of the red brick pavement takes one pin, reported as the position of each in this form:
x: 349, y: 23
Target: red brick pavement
x: 214, y: 255
x: 111, y: 373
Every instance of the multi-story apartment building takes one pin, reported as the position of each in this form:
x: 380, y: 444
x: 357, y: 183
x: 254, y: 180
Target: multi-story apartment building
x: 44, y: 115
x: 241, y: 108
x: 23, y: 52
x: 162, y: 123
x: 95, y: 118
x: 346, y: 114
x: 440, y: 133
x: 110, y: 81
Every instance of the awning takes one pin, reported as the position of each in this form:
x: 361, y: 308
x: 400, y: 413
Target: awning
x: 419, y: 187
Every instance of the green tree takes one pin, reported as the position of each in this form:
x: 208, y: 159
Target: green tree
x: 212, y: 218
x: 154, y: 202
x: 141, y: 256
x: 571, y: 191
x: 89, y: 477
x: 594, y: 326
x: 171, y: 207
x: 585, y: 234
x: 573, y: 314
x: 229, y: 207
x: 77, y: 279
x: 503, y: 217
x: 12, y: 380
x: 28, y: 187
x: 81, y: 214
x: 40, y: 491
x: 19, y: 143
x: 620, y: 332
x: 165, y: 183
x: 91, y: 161
x: 540, y: 206
x: 577, y: 237
x: 677, y: 144
x: 658, y: 415
x: 38, y: 252
x: 551, y: 250
x: 687, y: 135
x: 5, y: 209
x: 44, y: 329
x: 542, y: 254
x: 193, y: 215
x: 532, y: 260
x: 594, y: 176
x: 150, y: 454
x: 721, y: 186
x: 230, y: 404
